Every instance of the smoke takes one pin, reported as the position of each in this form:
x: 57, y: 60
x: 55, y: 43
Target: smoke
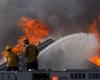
x: 62, y: 16
x: 70, y: 52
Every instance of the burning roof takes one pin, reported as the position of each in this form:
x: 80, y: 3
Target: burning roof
x: 33, y: 29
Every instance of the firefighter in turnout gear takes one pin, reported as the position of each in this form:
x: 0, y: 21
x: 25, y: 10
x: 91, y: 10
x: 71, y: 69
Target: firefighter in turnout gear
x: 12, y: 59
x: 30, y: 53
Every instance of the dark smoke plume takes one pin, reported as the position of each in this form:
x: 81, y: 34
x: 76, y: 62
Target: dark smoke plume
x: 62, y: 16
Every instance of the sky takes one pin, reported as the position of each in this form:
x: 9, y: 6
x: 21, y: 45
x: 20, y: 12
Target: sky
x: 63, y: 17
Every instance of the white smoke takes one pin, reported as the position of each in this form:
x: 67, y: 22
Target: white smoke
x: 70, y: 52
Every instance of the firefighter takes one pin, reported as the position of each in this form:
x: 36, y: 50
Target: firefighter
x: 30, y: 53
x: 12, y: 59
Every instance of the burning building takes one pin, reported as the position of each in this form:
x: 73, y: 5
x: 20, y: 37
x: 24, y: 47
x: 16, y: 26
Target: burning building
x: 36, y: 31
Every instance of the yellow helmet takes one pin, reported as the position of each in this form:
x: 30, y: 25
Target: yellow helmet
x: 8, y: 47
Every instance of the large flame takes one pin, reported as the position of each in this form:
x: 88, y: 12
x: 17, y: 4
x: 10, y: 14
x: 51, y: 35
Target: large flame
x: 95, y: 59
x: 34, y: 30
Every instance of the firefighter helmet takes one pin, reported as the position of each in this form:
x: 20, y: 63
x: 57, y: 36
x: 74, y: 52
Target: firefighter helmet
x: 26, y: 41
x: 8, y: 47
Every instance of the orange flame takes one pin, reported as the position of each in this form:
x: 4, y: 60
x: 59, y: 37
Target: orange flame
x: 34, y: 30
x: 95, y: 59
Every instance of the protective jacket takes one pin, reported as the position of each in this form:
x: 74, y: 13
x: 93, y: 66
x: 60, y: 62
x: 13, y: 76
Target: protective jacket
x: 30, y: 53
x: 12, y: 59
